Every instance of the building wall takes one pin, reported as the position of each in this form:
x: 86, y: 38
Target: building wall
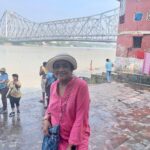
x: 131, y: 28
x: 133, y: 6
x: 146, y: 43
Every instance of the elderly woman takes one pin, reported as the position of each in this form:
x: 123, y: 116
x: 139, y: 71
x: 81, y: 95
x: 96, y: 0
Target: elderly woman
x: 71, y: 95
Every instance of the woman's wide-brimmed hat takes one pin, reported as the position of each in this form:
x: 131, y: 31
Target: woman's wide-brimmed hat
x: 2, y: 70
x: 65, y: 57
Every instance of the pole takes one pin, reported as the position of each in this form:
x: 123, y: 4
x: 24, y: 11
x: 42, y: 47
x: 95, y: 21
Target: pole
x: 6, y: 27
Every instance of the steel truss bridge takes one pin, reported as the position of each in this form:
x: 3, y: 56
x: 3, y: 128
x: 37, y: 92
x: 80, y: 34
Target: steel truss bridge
x: 102, y: 27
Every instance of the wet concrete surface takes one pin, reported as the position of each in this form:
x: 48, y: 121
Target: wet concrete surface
x: 120, y: 117
x: 119, y: 120
x: 23, y: 132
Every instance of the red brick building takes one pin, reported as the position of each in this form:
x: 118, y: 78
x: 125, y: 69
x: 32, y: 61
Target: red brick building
x: 133, y: 41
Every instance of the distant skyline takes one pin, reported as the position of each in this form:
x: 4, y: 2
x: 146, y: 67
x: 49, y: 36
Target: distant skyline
x: 47, y: 10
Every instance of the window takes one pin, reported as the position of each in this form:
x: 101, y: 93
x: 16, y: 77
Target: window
x: 121, y: 19
x: 138, y: 16
x: 137, y: 41
x: 122, y: 11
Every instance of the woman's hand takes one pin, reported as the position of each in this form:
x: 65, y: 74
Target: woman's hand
x: 46, y: 125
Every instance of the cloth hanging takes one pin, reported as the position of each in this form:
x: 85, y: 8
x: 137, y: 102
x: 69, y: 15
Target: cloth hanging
x: 146, y: 64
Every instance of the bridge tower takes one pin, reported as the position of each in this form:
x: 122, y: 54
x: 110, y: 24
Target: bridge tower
x: 133, y: 42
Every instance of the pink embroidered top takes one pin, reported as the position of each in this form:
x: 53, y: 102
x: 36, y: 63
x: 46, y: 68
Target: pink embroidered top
x: 73, y: 109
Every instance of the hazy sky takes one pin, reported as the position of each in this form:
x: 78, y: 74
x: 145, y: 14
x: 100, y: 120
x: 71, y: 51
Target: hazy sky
x: 45, y: 10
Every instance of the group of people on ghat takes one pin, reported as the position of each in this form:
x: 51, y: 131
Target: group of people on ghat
x: 10, y: 89
x: 65, y: 97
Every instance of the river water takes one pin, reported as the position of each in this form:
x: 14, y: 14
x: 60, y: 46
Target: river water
x: 26, y: 60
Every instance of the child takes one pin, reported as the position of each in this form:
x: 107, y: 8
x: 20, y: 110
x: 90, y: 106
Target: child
x: 14, y: 94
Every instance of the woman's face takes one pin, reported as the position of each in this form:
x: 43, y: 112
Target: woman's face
x: 62, y: 70
x: 14, y: 78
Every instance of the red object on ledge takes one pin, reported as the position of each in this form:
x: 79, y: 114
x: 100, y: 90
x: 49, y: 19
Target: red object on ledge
x: 139, y: 54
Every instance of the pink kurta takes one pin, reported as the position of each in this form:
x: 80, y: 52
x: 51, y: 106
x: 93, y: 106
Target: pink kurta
x: 74, y: 125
